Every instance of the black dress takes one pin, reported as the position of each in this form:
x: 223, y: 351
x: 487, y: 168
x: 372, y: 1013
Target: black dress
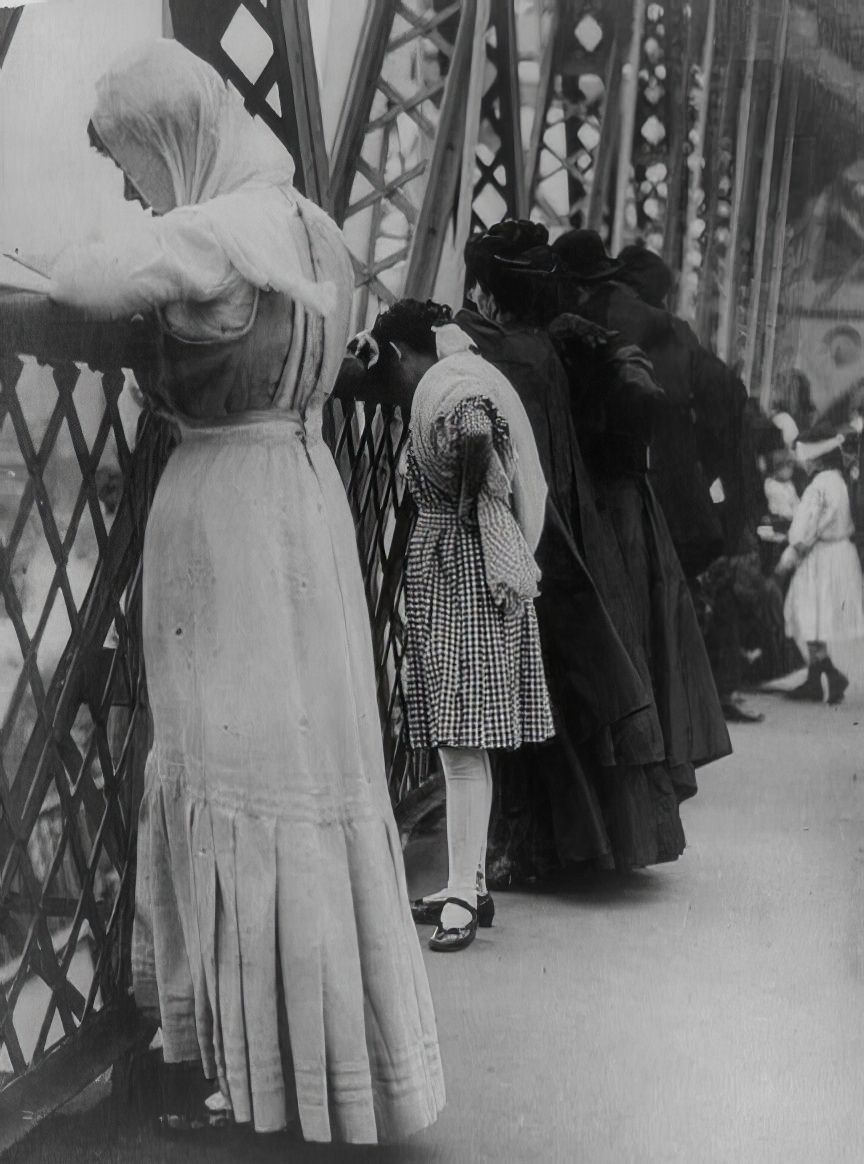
x: 578, y: 800
x: 698, y: 430
x: 614, y: 406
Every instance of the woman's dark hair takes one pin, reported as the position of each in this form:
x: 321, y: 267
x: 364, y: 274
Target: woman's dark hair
x: 410, y: 322
x: 513, y: 263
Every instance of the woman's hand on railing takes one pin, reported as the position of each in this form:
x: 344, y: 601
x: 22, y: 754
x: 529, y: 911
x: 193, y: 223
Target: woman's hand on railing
x: 351, y: 380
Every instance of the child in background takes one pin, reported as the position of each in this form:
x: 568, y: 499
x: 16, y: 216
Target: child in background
x: 780, y: 492
x: 825, y: 601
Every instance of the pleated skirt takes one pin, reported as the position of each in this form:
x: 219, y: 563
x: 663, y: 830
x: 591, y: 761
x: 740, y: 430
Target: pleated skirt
x: 273, y: 929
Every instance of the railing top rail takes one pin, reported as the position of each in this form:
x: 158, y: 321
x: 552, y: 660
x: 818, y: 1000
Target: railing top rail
x: 31, y: 325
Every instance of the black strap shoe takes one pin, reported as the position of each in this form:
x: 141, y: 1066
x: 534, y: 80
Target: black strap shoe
x: 189, y: 1106
x: 457, y: 937
x: 837, y: 684
x: 810, y: 691
x: 428, y: 913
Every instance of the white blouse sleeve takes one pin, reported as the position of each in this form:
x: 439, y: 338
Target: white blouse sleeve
x: 161, y: 261
x: 809, y: 519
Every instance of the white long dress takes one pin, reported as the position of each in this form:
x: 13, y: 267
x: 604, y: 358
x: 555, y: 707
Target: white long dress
x: 825, y: 600
x: 273, y: 929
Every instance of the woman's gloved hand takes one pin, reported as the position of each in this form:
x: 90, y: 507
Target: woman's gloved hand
x: 569, y: 327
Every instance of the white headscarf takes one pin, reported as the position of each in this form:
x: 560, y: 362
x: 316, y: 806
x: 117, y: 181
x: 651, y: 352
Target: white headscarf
x: 185, y: 139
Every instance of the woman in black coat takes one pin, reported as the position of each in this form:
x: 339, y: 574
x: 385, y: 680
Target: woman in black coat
x: 699, y: 434
x: 615, y: 400
x: 618, y: 768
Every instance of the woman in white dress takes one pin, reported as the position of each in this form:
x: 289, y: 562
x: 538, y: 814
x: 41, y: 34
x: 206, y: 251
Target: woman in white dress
x: 825, y: 600
x: 273, y: 932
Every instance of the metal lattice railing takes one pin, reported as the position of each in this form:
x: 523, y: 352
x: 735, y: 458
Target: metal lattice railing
x: 367, y: 447
x: 74, y: 725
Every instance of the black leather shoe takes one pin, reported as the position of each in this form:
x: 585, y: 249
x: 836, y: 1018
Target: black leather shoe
x: 188, y: 1108
x: 810, y: 691
x: 428, y: 913
x: 458, y: 937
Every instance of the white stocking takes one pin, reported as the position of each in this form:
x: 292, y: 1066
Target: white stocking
x: 468, y: 776
x: 481, y: 868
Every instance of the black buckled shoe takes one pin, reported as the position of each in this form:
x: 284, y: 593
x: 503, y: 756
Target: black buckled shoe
x: 837, y: 684
x: 188, y: 1107
x: 428, y: 913
x: 457, y: 937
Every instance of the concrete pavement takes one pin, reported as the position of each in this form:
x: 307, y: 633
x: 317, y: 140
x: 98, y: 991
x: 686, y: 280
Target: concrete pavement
x: 708, y: 1012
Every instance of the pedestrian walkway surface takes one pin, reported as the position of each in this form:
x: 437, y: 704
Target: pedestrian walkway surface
x: 707, y: 1012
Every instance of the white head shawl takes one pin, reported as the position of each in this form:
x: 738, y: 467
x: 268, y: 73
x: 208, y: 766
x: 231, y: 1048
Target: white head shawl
x: 184, y: 139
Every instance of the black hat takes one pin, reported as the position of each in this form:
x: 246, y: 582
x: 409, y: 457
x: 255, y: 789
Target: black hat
x: 513, y: 263
x: 539, y: 260
x: 583, y: 254
x: 507, y: 239
x: 649, y: 276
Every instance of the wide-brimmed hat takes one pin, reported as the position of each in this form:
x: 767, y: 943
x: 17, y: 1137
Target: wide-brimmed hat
x: 509, y: 239
x: 583, y: 255
x: 536, y: 261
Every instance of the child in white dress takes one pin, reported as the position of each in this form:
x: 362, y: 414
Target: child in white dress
x: 825, y: 601
x: 780, y: 492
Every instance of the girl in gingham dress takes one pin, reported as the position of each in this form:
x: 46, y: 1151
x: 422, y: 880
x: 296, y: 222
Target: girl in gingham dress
x: 473, y: 668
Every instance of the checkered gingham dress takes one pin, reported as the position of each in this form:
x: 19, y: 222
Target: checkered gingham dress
x: 473, y: 674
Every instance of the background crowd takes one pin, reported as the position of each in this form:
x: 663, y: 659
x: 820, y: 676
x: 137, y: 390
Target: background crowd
x: 668, y: 585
